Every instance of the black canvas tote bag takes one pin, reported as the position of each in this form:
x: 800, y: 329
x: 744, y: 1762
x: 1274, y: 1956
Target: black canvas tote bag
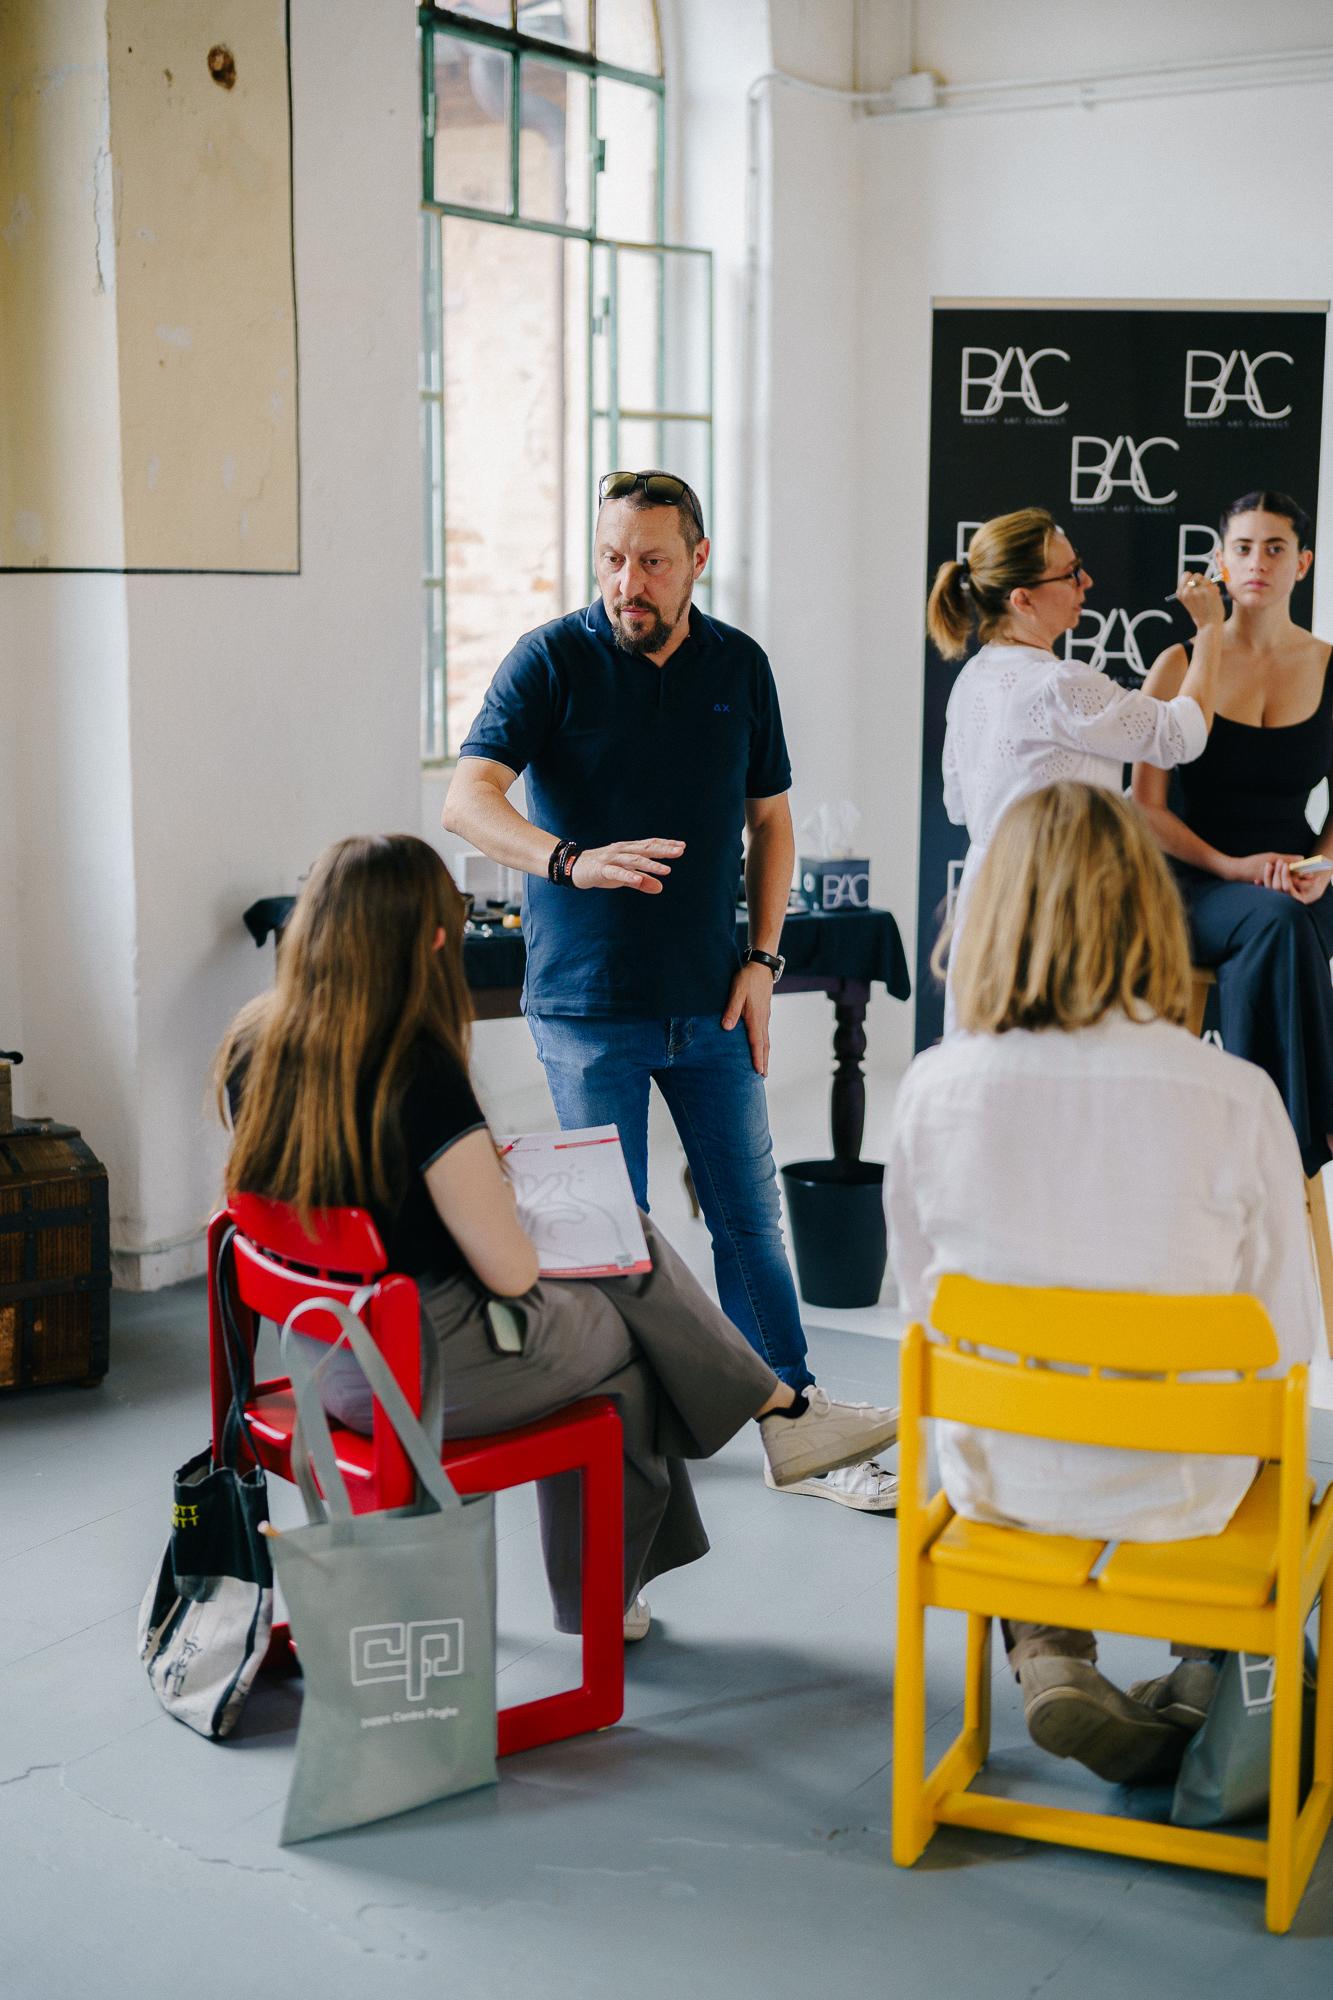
x: 207, y: 1615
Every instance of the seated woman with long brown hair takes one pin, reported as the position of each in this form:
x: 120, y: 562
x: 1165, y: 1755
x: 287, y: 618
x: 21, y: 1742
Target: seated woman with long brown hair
x: 1075, y: 1134
x: 348, y: 1084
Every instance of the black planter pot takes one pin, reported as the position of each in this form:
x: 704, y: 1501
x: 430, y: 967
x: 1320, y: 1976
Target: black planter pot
x: 836, y: 1212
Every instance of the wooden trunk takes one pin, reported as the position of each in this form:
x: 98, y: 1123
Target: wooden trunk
x: 55, y: 1257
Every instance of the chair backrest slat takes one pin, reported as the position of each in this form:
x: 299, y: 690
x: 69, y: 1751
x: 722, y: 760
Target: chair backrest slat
x: 1241, y: 1418
x: 1146, y: 1331
x: 345, y: 1240
x: 272, y: 1290
x: 348, y: 1243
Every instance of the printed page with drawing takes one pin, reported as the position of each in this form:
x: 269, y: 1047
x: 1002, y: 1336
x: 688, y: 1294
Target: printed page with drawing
x: 575, y: 1201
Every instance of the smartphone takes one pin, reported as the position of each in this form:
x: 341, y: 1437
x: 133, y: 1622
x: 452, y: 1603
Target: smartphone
x: 508, y: 1323
x: 1313, y: 864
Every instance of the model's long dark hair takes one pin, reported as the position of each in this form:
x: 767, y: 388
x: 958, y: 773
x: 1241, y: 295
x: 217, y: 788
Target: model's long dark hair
x: 360, y: 983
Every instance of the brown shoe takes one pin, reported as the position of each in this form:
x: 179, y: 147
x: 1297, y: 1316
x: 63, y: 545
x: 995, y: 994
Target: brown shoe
x: 1073, y: 1711
x: 1182, y: 1696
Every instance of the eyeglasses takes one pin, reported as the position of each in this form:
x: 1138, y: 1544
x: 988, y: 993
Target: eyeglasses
x: 662, y: 487
x: 1076, y: 575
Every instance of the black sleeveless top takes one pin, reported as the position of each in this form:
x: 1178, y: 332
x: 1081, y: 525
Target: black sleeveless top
x: 438, y: 1108
x: 1248, y: 790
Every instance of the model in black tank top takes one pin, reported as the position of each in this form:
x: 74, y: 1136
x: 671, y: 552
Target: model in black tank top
x: 1247, y: 794
x: 1248, y: 791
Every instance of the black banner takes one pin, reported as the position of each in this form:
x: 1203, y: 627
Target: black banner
x: 1135, y: 426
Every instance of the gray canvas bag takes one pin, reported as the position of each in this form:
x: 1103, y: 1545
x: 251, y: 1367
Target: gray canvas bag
x: 392, y: 1614
x: 1223, y: 1776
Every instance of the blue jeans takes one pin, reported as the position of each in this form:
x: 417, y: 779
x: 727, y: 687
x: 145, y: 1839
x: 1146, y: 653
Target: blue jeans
x: 599, y: 1072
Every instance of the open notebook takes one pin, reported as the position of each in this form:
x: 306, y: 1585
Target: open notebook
x: 576, y: 1202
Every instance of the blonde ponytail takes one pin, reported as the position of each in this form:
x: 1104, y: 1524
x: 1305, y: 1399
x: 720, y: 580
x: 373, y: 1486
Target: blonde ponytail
x: 1004, y: 554
x: 949, y: 610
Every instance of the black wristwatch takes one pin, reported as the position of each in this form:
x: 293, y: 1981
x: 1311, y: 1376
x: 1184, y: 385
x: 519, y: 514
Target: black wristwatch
x: 776, y: 965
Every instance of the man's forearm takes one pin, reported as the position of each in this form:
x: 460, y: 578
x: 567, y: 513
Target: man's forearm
x: 769, y: 859
x: 482, y: 814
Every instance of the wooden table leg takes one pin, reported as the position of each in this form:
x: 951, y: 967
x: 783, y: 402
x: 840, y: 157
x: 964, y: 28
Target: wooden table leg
x: 847, y: 1099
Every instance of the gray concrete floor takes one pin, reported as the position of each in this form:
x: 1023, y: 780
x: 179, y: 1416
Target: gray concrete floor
x: 729, y: 1837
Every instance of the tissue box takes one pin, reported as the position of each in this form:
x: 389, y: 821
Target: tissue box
x: 835, y: 885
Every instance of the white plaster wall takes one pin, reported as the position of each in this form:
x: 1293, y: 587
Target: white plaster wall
x: 67, y: 904
x: 272, y: 714
x: 71, y: 956
x: 11, y: 994
x: 976, y: 41
x: 181, y: 745
x: 1193, y: 197
x: 712, y: 55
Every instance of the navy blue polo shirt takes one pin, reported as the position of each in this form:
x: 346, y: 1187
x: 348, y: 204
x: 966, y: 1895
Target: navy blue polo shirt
x: 617, y: 748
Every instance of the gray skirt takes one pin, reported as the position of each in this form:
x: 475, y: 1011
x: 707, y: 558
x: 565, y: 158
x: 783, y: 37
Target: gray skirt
x: 683, y: 1378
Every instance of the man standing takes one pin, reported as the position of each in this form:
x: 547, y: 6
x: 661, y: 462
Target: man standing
x: 639, y: 714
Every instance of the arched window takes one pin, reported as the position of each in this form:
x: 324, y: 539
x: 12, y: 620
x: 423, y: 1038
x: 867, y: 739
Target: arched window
x: 561, y: 334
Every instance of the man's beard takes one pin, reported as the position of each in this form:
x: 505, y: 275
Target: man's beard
x: 653, y: 637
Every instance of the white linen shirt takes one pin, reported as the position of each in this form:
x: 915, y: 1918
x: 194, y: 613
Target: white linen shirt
x: 1019, y: 718
x: 1124, y: 1157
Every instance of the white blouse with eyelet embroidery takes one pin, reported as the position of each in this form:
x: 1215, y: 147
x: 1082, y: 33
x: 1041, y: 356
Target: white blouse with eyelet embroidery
x: 1019, y: 718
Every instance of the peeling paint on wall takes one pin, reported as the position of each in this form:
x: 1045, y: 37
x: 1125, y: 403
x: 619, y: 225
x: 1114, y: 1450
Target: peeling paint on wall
x: 104, y: 220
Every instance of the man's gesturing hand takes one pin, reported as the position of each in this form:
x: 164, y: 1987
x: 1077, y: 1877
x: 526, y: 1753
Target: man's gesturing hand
x: 626, y: 864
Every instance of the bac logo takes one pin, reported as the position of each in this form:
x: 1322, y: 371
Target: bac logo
x: 1097, y: 648
x: 183, y: 1516
x: 413, y: 1654
x: 1098, y: 466
x: 1196, y: 544
x: 846, y: 892
x: 1214, y: 381
x: 966, y: 530
x: 992, y: 377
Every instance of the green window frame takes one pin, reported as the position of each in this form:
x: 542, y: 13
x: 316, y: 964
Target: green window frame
x: 678, y: 276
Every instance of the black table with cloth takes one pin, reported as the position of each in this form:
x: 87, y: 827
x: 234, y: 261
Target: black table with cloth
x: 843, y: 955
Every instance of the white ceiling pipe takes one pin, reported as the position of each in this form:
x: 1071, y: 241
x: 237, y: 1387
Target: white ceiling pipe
x: 913, y: 97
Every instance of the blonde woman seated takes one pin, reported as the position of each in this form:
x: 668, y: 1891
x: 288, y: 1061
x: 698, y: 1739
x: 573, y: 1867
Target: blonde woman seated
x: 1074, y: 1133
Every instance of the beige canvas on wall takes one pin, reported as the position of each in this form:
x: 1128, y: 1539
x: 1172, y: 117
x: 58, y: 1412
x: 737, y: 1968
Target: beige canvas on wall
x: 147, y: 308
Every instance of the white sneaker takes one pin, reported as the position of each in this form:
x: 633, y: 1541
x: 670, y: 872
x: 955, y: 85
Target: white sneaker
x: 637, y: 1621
x: 867, y: 1487
x: 828, y: 1435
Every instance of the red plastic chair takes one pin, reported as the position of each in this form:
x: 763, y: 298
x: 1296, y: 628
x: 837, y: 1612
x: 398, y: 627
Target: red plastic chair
x: 277, y: 1264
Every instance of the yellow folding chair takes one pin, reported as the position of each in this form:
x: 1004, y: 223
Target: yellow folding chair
x: 1248, y: 1589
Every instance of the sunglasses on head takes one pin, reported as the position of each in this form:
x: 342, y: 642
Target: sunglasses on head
x: 661, y: 487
